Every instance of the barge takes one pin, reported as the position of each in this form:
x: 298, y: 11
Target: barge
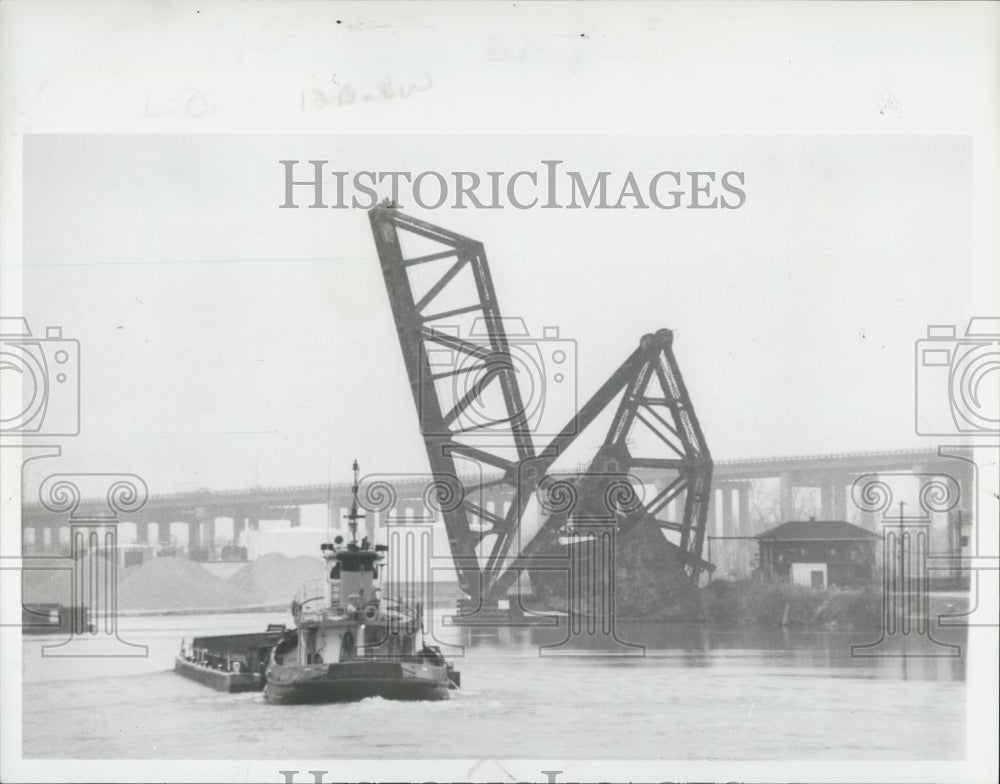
x: 229, y: 662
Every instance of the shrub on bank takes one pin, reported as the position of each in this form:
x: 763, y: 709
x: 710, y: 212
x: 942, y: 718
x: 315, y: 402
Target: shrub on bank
x: 781, y: 604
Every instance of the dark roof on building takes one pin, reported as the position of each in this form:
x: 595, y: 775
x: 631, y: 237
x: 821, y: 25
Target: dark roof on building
x: 817, y: 529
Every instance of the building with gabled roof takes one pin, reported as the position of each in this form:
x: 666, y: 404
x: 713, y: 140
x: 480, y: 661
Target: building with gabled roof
x: 818, y: 553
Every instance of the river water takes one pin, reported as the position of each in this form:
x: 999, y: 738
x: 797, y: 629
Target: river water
x: 693, y: 693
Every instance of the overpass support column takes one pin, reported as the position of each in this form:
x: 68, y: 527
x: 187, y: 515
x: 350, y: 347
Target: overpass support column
x: 870, y: 520
x: 840, y: 489
x: 787, y: 489
x: 743, y: 525
x: 295, y: 517
x: 713, y: 505
x: 201, y: 530
x: 239, y: 523
x: 727, y: 510
x: 142, y: 533
x: 967, y: 490
x: 826, y: 492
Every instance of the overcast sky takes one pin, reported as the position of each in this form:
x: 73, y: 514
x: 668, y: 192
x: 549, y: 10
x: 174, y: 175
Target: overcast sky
x: 226, y: 342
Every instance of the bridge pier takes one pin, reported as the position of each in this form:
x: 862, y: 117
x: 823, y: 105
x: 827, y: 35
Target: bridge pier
x: 727, y: 510
x: 711, y: 515
x: 201, y: 531
x: 142, y: 533
x: 239, y: 524
x: 826, y: 493
x: 967, y: 496
x: 840, y: 490
x: 734, y: 500
x: 744, y: 526
x: 787, y: 494
x: 52, y: 539
x: 869, y: 519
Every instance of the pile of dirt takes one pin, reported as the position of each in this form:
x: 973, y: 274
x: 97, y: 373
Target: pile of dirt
x: 170, y: 584
x: 175, y: 584
x: 46, y: 582
x: 273, y: 578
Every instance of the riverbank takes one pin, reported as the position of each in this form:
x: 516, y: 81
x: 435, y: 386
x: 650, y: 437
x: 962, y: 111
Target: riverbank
x: 175, y: 586
x: 748, y: 602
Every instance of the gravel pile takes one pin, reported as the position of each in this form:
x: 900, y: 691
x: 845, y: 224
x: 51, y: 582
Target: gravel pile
x: 179, y: 584
x: 273, y: 578
x: 175, y: 584
x: 40, y: 585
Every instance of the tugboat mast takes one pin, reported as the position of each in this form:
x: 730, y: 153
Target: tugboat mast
x: 353, y: 516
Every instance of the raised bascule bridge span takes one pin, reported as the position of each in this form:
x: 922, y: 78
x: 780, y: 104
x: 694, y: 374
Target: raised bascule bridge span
x: 730, y: 512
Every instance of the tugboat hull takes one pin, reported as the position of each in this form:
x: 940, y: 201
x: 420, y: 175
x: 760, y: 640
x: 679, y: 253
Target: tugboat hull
x: 356, y: 680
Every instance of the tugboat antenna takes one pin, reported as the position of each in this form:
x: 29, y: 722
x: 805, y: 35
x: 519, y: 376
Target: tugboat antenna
x: 354, y: 516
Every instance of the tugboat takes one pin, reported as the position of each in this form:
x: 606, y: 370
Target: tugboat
x: 348, y: 643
